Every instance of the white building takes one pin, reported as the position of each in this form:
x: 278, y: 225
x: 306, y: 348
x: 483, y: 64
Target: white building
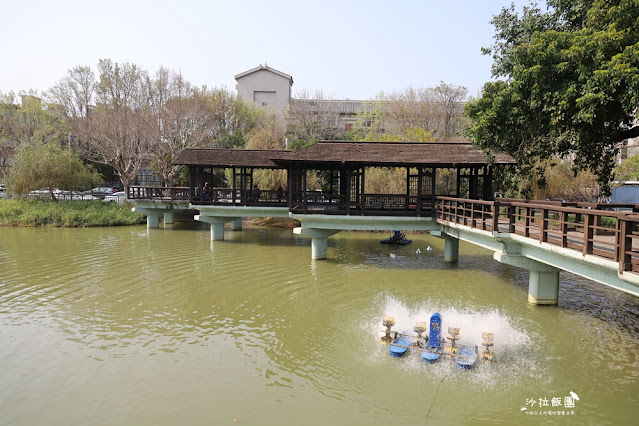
x: 265, y: 86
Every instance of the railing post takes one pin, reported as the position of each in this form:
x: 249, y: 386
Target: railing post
x: 543, y: 234
x: 496, y: 206
x: 511, y: 219
x: 527, y: 222
x: 588, y: 234
x: 624, y: 242
x: 563, y: 223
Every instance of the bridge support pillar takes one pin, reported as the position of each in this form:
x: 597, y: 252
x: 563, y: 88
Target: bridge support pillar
x: 152, y: 220
x: 217, y: 225
x: 451, y: 249
x: 236, y: 225
x: 543, y: 287
x: 217, y: 231
x: 152, y: 216
x: 543, y: 280
x: 168, y: 218
x: 319, y: 244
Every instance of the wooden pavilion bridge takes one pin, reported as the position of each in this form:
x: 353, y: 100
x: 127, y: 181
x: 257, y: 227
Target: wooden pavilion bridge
x: 597, y: 241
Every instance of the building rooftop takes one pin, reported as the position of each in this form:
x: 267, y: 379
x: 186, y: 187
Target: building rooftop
x: 267, y: 68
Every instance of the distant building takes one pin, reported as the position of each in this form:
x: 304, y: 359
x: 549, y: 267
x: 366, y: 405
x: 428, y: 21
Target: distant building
x: 628, y: 147
x: 265, y: 87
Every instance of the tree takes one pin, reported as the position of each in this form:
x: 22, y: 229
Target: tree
x: 29, y: 121
x: 314, y: 117
x: 75, y: 92
x: 628, y: 170
x: 418, y: 115
x: 571, y: 89
x: 39, y: 165
x: 234, y: 120
x: 180, y: 118
x: 115, y: 131
x: 268, y: 135
x: 127, y: 119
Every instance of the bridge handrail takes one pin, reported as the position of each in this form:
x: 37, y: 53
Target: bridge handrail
x: 568, y: 227
x: 147, y: 192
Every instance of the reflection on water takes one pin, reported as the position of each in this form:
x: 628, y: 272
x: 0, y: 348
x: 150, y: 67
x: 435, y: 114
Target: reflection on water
x: 163, y: 326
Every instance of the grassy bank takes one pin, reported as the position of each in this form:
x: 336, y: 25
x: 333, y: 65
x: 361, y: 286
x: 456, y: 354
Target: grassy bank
x: 65, y: 213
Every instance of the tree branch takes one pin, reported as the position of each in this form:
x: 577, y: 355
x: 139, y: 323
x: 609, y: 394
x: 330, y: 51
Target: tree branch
x: 632, y: 132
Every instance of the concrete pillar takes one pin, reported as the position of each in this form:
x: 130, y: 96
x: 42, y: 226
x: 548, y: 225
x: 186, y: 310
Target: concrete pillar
x: 543, y: 287
x: 319, y: 244
x: 451, y: 249
x: 319, y: 250
x: 152, y: 220
x: 217, y: 225
x: 168, y: 217
x: 236, y: 225
x: 543, y: 280
x: 217, y: 231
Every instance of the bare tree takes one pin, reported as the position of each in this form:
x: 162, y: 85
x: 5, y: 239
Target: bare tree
x: 314, y: 117
x: 450, y: 101
x: 116, y: 131
x: 75, y: 92
x: 181, y: 118
x: 423, y: 114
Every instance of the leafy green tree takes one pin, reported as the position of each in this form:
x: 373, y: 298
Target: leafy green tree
x: 40, y: 165
x: 628, y: 170
x: 24, y: 118
x: 571, y: 88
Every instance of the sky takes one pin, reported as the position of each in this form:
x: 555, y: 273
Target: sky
x: 348, y: 49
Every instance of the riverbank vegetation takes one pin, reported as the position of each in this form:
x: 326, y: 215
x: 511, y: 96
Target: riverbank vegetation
x: 16, y: 212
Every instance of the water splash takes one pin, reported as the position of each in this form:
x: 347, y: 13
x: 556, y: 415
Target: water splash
x: 516, y: 350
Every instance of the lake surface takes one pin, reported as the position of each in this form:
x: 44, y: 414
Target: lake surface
x: 126, y: 325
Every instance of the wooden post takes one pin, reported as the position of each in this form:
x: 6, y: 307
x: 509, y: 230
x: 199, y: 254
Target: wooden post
x: 527, y: 222
x: 624, y: 243
x: 511, y: 219
x: 588, y: 234
x: 543, y: 234
x: 191, y: 183
x: 418, y: 199
x: 472, y: 215
x: 563, y: 223
x: 496, y: 206
x: 362, y: 200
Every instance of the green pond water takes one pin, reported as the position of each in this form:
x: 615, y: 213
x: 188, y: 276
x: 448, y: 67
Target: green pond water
x: 126, y: 325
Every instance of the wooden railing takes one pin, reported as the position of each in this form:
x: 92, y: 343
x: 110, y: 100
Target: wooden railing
x: 208, y: 196
x: 610, y: 234
x: 157, y: 193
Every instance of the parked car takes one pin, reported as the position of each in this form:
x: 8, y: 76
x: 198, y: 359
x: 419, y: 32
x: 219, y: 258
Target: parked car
x: 117, y: 197
x: 44, y: 193
x: 100, y: 192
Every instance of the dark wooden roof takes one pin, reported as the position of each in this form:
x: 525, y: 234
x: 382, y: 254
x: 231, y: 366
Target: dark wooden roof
x: 393, y: 154
x: 219, y: 157
x: 333, y: 153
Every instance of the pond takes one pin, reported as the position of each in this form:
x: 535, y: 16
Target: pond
x: 126, y: 325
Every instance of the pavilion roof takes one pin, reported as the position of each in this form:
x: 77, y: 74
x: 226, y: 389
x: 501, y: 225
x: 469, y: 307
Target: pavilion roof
x: 331, y: 153
x: 223, y: 157
x: 394, y: 154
